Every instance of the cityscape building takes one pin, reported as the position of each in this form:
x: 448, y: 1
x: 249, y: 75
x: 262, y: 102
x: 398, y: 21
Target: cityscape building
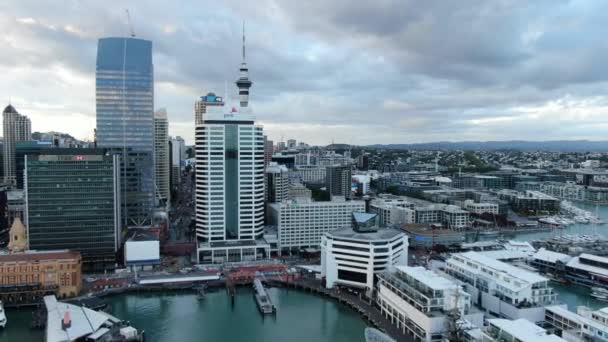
x: 16, y: 127
x: 338, y: 181
x: 301, y: 222
x: 276, y: 183
x: 506, y: 290
x: 72, y: 202
x: 230, y: 181
x: 161, y: 156
x: 268, y: 150
x: 419, y: 302
x: 200, y: 106
x: 353, y: 258
x: 125, y: 120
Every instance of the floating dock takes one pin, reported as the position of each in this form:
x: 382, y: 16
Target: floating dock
x: 262, y: 298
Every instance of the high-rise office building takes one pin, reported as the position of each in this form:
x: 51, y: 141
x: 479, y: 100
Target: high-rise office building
x: 276, y: 183
x: 17, y: 127
x: 338, y: 181
x: 177, y: 151
x: 125, y: 119
x: 268, y: 150
x: 72, y: 202
x: 291, y: 144
x: 161, y: 155
x: 200, y: 106
x: 23, y: 148
x: 230, y: 184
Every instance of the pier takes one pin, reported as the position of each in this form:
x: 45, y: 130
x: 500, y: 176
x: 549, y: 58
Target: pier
x: 262, y: 298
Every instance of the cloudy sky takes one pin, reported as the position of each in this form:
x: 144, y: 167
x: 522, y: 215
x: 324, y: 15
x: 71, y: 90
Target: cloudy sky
x: 358, y: 72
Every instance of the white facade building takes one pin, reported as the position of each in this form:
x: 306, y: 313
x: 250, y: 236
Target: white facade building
x: 161, y: 156
x: 301, y: 223
x: 520, y: 330
x: 480, y: 208
x: 585, y: 325
x: 450, y: 216
x: 309, y: 174
x: 500, y: 288
x: 229, y: 186
x: 276, y: 182
x: 417, y: 301
x: 352, y: 258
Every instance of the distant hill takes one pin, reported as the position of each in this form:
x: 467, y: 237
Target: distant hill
x: 522, y: 145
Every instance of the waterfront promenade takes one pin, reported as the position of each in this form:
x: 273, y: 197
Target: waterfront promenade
x: 366, y: 309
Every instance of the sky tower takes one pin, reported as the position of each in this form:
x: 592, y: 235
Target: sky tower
x: 243, y: 82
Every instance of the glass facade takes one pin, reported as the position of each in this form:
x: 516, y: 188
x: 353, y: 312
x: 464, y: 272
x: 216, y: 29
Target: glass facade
x: 125, y: 119
x: 71, y: 203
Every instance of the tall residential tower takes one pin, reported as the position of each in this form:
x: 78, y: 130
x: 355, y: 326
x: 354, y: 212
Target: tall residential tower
x: 17, y: 127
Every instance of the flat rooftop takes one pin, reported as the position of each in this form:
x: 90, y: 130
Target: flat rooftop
x: 428, y: 277
x: 34, y: 255
x: 380, y: 234
x: 524, y: 330
x: 500, y: 266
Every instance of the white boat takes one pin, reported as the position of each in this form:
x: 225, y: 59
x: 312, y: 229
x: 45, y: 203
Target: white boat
x: 599, y: 293
x: 2, y: 316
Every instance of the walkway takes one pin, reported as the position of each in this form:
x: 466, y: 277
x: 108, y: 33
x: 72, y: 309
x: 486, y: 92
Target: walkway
x: 367, y: 310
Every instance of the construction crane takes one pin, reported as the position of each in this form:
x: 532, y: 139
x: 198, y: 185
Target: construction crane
x: 129, y: 23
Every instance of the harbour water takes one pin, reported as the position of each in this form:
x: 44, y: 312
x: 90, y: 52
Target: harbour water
x: 183, y: 317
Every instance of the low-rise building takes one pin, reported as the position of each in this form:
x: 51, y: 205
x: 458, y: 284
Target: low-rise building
x: 531, y: 202
x: 585, y: 325
x: 301, y: 222
x: 480, y: 208
x: 421, y: 303
x: 142, y: 250
x: 519, y: 330
x: 26, y: 277
x: 352, y: 258
x: 502, y: 289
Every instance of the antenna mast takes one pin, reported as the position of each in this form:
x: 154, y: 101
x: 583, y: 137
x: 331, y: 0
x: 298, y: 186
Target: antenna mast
x: 129, y: 23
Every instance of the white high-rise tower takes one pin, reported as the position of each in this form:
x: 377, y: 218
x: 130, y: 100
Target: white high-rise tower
x: 230, y: 184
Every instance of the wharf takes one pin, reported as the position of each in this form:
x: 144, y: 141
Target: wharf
x: 262, y: 298
x: 366, y: 309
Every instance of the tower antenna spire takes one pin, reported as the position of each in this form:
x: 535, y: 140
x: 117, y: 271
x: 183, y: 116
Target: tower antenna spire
x: 243, y: 41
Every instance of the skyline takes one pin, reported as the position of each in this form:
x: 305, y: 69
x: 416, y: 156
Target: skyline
x: 360, y: 74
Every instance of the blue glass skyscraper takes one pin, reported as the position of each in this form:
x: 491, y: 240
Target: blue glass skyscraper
x: 125, y: 119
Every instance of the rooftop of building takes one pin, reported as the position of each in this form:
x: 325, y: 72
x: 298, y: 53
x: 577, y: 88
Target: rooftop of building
x: 551, y: 256
x: 83, y: 321
x: 9, y: 109
x: 524, y: 330
x: 378, y: 235
x: 428, y: 277
x: 142, y: 235
x: 35, y: 255
x: 513, y: 271
x: 575, y: 262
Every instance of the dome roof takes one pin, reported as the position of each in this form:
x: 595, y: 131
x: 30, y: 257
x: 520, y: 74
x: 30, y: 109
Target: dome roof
x: 10, y: 109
